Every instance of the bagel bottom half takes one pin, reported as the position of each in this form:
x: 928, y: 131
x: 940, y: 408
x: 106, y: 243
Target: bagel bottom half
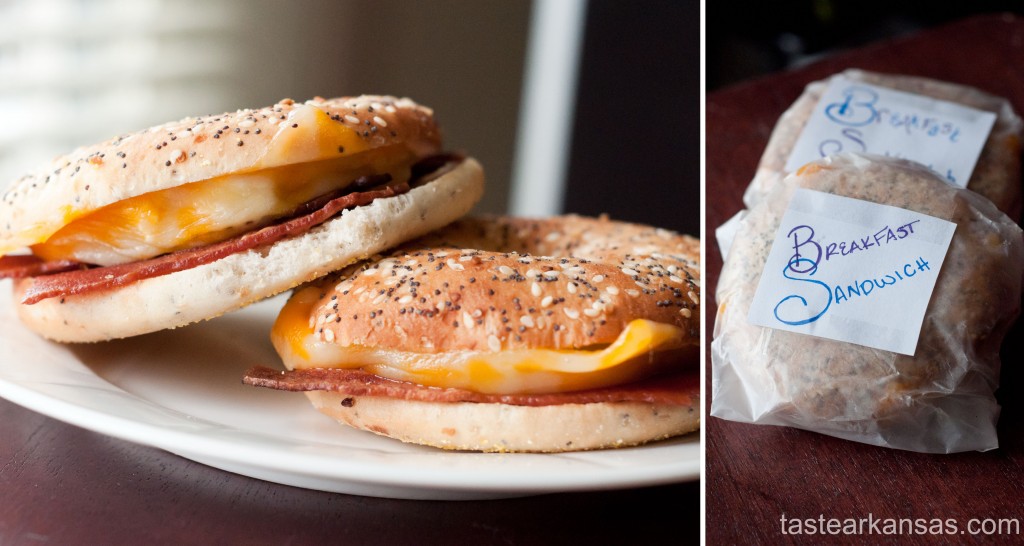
x: 505, y: 334
x: 230, y: 283
x: 496, y: 427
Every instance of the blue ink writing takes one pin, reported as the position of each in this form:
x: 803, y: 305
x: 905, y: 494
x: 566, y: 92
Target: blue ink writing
x: 857, y: 108
x: 922, y: 125
x: 881, y: 237
x: 798, y: 244
x: 834, y: 146
x: 864, y: 288
x: 798, y: 317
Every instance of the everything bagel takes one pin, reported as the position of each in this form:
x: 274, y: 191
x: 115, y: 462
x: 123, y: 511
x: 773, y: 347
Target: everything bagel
x: 192, y: 219
x: 505, y: 334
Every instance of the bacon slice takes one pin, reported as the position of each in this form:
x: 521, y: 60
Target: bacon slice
x: 681, y: 389
x: 101, y: 278
x: 27, y: 265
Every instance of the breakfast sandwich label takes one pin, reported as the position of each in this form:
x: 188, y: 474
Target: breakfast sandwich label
x: 856, y: 117
x: 852, y: 271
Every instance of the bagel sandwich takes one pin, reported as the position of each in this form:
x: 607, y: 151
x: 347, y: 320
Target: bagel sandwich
x: 505, y: 334
x: 192, y: 219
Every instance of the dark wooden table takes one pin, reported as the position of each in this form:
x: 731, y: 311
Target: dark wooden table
x: 60, y: 484
x: 757, y: 474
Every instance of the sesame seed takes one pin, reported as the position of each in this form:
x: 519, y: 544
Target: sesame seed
x: 468, y: 320
x: 505, y: 270
x: 571, y: 313
x: 630, y: 272
x: 535, y: 289
x: 455, y: 265
x: 527, y: 321
x: 329, y: 335
x: 351, y: 119
x: 380, y: 121
x: 693, y: 297
x: 685, y: 312
x: 551, y: 275
x: 493, y: 343
x: 546, y: 302
x: 632, y: 292
x: 597, y: 278
x: 571, y: 287
x: 675, y: 279
x: 591, y: 312
x: 612, y: 290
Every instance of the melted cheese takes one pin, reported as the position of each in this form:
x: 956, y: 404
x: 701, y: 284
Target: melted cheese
x: 318, y: 137
x: 212, y: 210
x: 643, y: 348
x: 291, y: 171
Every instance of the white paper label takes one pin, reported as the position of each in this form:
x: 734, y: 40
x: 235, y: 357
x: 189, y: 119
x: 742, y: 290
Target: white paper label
x: 852, y: 271
x: 856, y: 117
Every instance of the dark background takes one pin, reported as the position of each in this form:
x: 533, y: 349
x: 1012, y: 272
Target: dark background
x: 636, y: 140
x: 749, y: 39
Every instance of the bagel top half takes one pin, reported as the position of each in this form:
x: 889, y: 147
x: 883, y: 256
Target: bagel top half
x: 503, y: 305
x: 179, y: 188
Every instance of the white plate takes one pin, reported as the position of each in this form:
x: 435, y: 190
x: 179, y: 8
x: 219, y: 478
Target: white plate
x: 181, y: 391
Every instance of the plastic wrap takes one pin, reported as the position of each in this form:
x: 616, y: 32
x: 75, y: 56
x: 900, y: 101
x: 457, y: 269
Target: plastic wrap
x: 939, y: 400
x: 996, y: 174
